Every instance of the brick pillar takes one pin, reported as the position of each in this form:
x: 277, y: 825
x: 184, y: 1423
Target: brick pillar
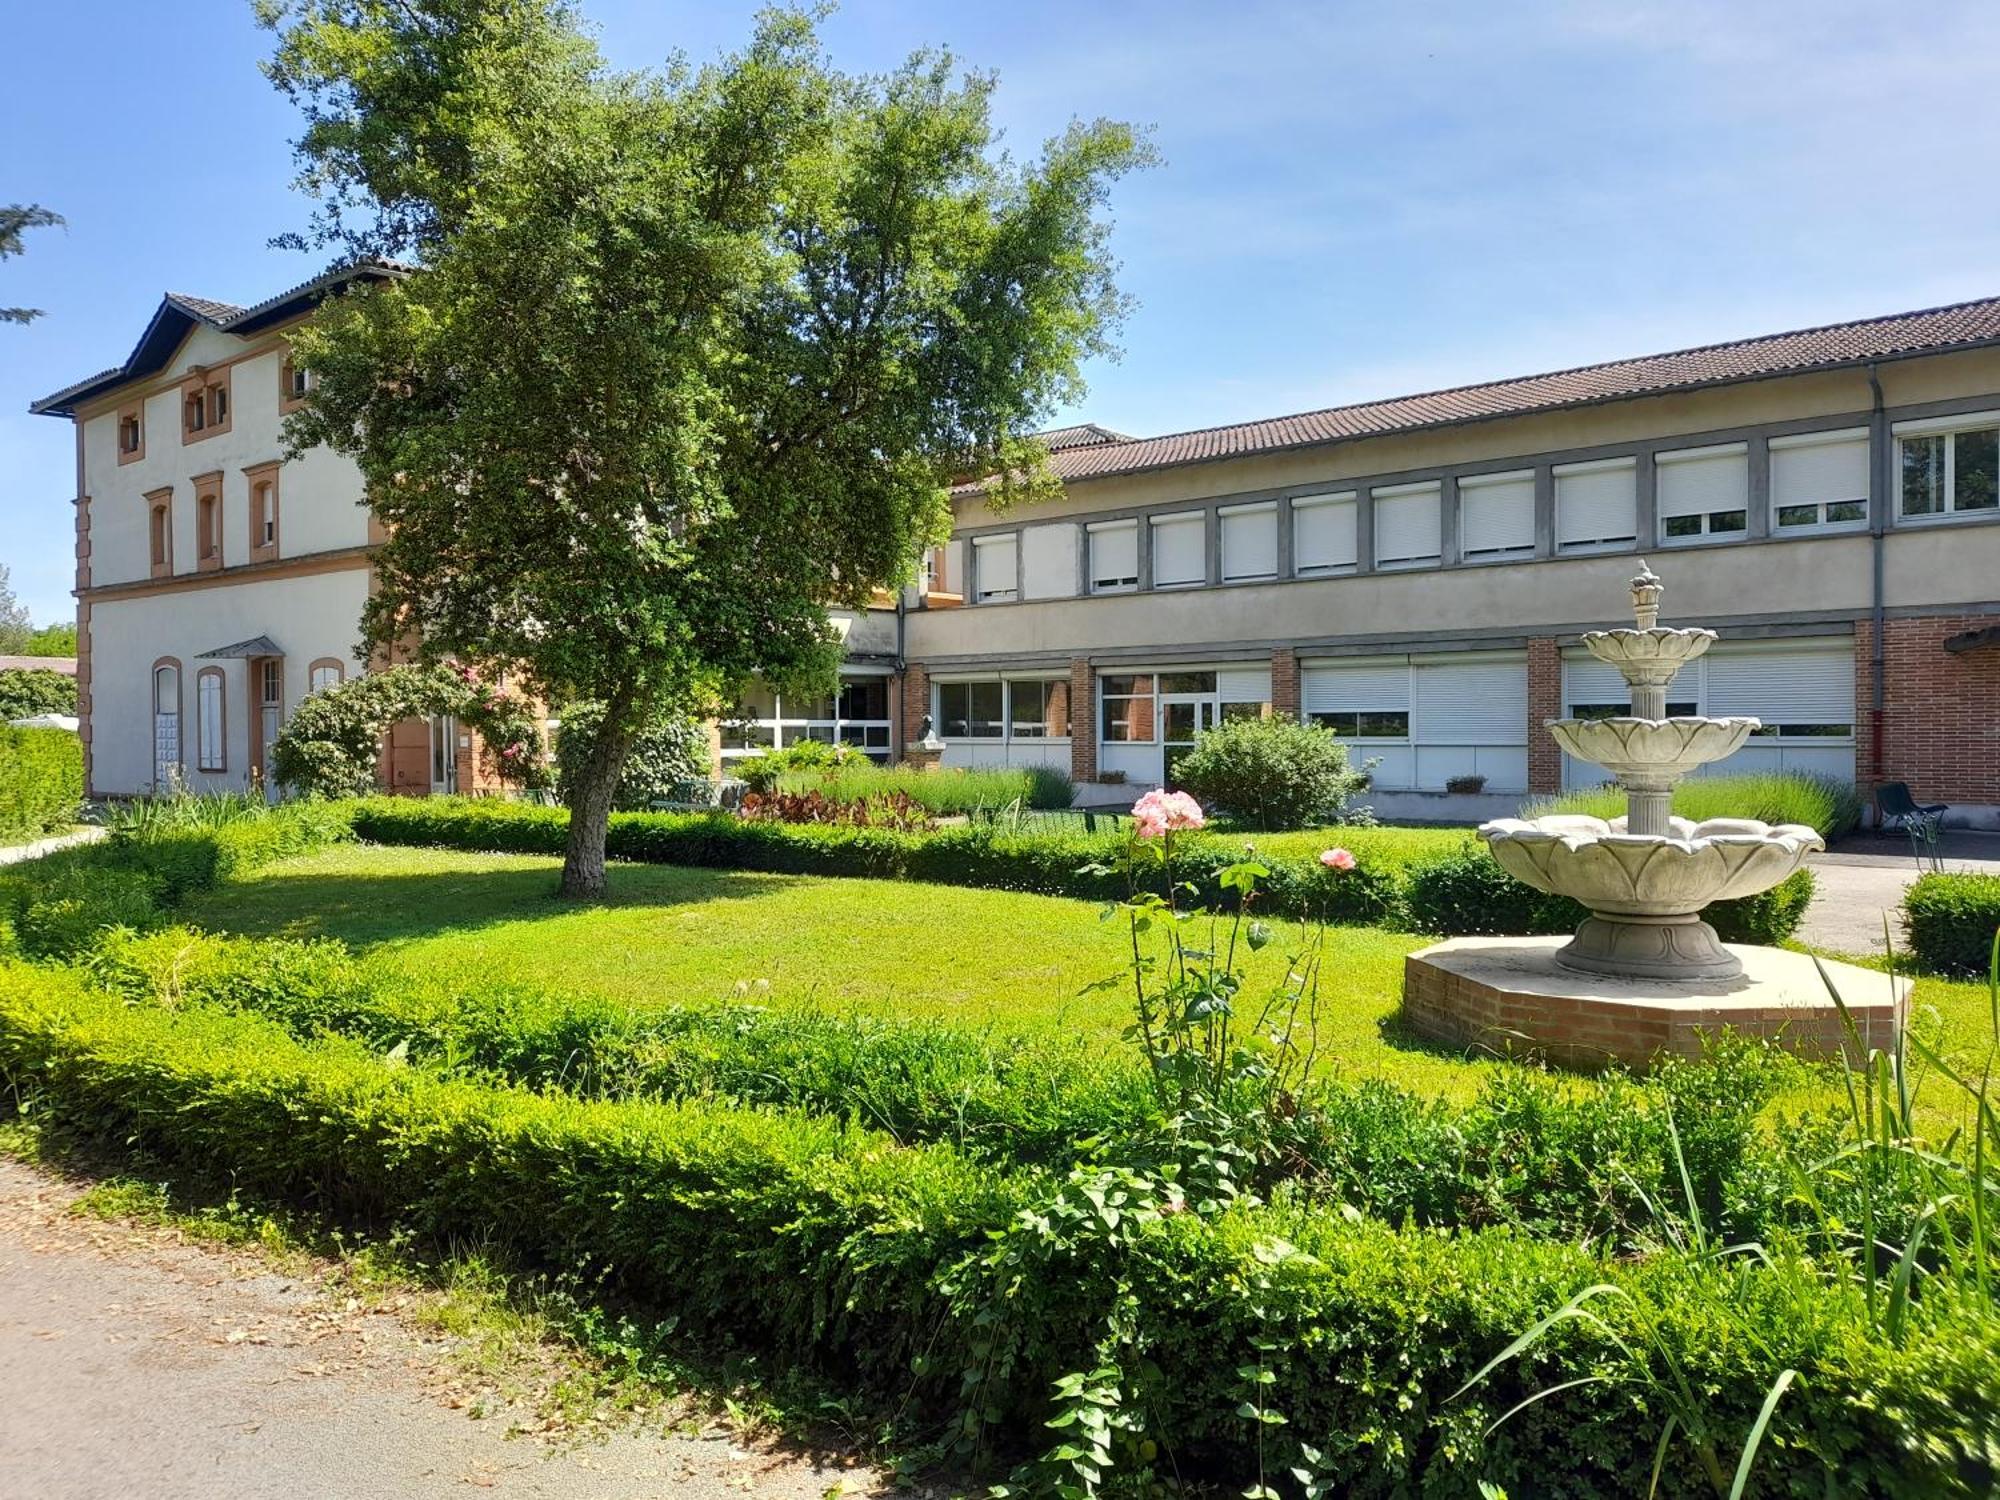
x: 1545, y: 679
x: 915, y: 703
x: 1082, y: 722
x: 1867, y: 749
x: 1285, y: 681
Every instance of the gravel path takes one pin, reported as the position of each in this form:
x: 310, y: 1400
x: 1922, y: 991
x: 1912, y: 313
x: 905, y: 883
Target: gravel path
x: 140, y: 1365
x: 13, y: 854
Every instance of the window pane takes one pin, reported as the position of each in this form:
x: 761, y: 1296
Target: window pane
x: 1847, y: 510
x: 954, y: 709
x: 1385, y: 726
x: 167, y: 691
x: 1128, y: 720
x: 1975, y: 470
x: 1038, y: 709
x: 864, y: 698
x: 986, y: 711
x: 1233, y: 712
x: 1727, y: 520
x: 1798, y: 515
x: 1923, y: 476
x: 1124, y: 687
x: 1682, y: 526
x: 1187, y: 682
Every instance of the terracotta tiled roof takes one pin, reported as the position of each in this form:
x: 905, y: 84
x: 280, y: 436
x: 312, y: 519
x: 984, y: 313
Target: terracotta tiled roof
x: 1082, y: 435
x: 1934, y: 330
x: 206, y: 308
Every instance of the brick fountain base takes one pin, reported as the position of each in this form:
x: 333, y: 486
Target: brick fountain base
x: 1507, y: 995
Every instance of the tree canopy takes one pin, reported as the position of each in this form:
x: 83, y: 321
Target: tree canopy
x: 15, y: 220
x: 692, y: 356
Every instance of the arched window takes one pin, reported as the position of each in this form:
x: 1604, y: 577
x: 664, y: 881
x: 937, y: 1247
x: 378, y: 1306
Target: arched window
x: 166, y: 724
x: 325, y: 673
x: 211, y: 723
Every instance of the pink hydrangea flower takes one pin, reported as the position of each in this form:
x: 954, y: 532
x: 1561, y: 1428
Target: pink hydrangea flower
x: 1161, y: 812
x: 1336, y: 859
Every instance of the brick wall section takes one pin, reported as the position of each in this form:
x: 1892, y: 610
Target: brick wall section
x: 916, y: 702
x: 1545, y: 678
x: 1940, y: 728
x: 1082, y: 722
x: 1285, y: 681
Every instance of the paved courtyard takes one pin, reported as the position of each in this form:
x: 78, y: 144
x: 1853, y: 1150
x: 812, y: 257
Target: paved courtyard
x: 1863, y: 876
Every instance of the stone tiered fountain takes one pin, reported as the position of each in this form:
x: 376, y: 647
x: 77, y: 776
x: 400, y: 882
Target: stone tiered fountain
x: 1644, y: 973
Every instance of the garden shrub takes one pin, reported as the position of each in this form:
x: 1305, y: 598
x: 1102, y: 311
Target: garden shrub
x: 1953, y: 919
x: 1270, y: 773
x: 959, y: 1294
x: 28, y: 691
x: 41, y: 781
x: 944, y: 791
x: 668, y: 757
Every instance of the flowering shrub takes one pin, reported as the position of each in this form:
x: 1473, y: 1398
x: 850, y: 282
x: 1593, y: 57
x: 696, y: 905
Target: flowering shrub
x: 331, y: 743
x: 894, y: 810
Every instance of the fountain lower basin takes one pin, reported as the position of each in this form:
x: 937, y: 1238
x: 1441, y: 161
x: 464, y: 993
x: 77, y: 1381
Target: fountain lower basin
x: 1646, y: 891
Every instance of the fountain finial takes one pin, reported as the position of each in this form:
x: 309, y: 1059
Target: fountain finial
x: 1646, y: 591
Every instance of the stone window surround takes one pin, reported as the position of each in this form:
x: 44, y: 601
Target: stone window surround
x: 160, y: 500
x: 202, y: 380
x: 256, y: 476
x: 207, y: 491
x: 130, y: 411
x: 1762, y: 527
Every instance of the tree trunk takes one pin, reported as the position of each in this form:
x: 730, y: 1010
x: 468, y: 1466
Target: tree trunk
x: 590, y: 803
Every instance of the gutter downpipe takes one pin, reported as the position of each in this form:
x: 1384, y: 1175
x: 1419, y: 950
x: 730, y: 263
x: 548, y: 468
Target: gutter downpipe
x: 1878, y: 519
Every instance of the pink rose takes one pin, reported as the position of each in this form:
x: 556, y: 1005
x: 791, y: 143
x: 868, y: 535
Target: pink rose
x: 1336, y: 859
x: 1161, y: 812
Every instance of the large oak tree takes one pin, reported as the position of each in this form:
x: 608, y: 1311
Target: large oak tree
x: 691, y: 357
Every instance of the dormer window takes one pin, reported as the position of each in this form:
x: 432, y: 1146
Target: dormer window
x: 205, y: 404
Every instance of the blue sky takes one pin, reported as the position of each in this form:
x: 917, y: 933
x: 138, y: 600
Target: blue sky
x: 1356, y: 200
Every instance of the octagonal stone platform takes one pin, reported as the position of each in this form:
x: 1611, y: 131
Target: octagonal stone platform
x: 1505, y: 995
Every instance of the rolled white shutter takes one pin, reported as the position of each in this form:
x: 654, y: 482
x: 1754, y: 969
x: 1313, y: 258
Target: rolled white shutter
x: 1496, y: 514
x: 1323, y: 534
x: 995, y: 567
x: 1250, y: 542
x: 1699, y: 481
x: 1406, y: 524
x: 1816, y: 467
x: 1114, y: 554
x: 1243, y: 685
x: 1048, y: 561
x: 1376, y: 685
x: 1471, y: 701
x: 1806, y: 683
x: 1596, y: 503
x: 1178, y: 553
x: 1588, y: 680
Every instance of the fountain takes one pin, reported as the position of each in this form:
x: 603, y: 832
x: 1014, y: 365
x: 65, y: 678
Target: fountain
x: 1643, y: 973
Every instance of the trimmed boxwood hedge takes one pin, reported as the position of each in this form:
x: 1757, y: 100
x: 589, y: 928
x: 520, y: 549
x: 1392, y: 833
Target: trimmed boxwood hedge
x: 878, y: 1265
x: 41, y: 781
x: 1953, y: 919
x: 1459, y: 891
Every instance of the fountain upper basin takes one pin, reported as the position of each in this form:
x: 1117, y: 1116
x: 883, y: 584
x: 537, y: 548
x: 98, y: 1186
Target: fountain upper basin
x: 1671, y: 875
x: 1651, y: 747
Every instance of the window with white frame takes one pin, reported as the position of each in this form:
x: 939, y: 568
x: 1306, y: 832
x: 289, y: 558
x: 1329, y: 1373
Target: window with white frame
x: 1703, y: 492
x: 1949, y: 468
x: 1007, y: 708
x: 1249, y: 541
x: 1114, y: 557
x: 857, y: 716
x: 324, y: 675
x: 1360, y: 701
x: 1819, y: 481
x: 1597, y: 505
x: 995, y: 568
x: 1407, y: 526
x: 208, y: 698
x: 1496, y: 515
x: 1323, y: 535
x: 1126, y: 709
x: 1180, y: 550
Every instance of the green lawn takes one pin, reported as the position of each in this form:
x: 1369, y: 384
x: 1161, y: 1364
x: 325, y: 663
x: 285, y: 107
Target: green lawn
x: 670, y: 935
x: 680, y: 936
